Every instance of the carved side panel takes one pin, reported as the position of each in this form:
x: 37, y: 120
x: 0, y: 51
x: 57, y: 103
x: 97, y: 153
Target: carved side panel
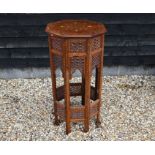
x: 96, y: 43
x: 57, y: 61
x: 95, y: 60
x: 77, y: 45
x: 77, y: 63
x: 57, y: 43
x: 58, y: 65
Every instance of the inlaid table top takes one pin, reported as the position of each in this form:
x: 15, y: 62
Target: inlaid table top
x: 75, y: 28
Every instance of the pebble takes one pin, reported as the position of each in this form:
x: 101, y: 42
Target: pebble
x: 127, y: 112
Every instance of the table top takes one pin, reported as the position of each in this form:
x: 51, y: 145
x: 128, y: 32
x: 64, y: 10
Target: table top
x: 75, y: 28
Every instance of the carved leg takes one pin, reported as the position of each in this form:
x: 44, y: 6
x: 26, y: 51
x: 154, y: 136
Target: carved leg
x: 97, y: 87
x: 87, y: 87
x: 67, y: 103
x: 83, y: 89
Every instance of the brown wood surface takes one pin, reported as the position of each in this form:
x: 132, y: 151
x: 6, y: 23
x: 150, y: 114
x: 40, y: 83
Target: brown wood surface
x: 53, y: 78
x: 75, y: 28
x: 87, y: 86
x: 99, y: 81
x: 67, y: 86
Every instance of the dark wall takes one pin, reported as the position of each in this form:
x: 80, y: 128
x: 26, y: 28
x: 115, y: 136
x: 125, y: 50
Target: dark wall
x: 130, y: 39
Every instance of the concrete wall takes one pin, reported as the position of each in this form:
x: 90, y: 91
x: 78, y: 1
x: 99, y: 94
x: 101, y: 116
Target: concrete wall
x: 45, y: 72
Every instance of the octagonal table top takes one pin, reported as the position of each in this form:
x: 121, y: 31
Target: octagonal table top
x: 75, y: 28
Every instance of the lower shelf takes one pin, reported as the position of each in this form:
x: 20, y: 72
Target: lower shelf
x: 77, y: 112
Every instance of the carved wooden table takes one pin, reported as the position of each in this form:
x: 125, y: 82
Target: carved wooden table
x: 76, y: 45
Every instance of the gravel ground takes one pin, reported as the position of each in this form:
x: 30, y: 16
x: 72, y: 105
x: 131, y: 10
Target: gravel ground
x: 127, y: 113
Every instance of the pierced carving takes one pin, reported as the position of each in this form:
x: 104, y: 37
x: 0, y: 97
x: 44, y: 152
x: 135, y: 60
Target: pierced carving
x: 79, y: 115
x: 57, y: 43
x: 96, y: 43
x: 78, y: 45
x: 57, y: 61
x: 77, y: 63
x: 75, y: 88
x: 95, y: 60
